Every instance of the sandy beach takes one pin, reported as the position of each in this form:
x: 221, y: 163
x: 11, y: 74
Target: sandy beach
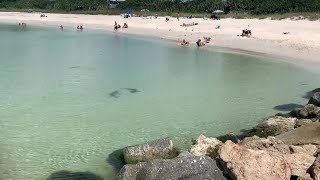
x: 301, y: 46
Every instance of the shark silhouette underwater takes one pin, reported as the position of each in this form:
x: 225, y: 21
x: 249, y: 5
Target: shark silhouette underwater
x: 119, y: 92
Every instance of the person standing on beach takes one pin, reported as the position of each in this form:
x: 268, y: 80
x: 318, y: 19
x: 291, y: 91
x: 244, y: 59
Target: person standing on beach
x: 178, y: 16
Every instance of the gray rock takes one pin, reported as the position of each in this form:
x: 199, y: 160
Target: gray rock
x: 315, y: 99
x: 183, y: 167
x: 186, y: 168
x: 308, y: 134
x: 309, y: 111
x: 270, y: 143
x: 158, y: 149
x: 130, y: 171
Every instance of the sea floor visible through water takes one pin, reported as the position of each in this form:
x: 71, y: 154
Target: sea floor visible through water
x: 69, y: 99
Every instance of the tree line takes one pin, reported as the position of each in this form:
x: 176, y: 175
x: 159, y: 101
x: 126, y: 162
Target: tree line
x: 193, y: 6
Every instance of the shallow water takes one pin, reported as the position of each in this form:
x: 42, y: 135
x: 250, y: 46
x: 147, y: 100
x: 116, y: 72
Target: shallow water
x: 56, y: 111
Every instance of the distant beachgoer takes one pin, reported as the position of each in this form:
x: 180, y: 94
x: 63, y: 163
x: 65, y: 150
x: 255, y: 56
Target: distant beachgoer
x: 81, y: 28
x: 24, y: 25
x: 156, y: 16
x: 184, y: 43
x: 19, y: 24
x: 199, y: 43
x: 125, y: 25
x: 115, y: 26
x: 178, y: 16
x: 61, y: 27
x: 167, y: 19
x: 207, y: 39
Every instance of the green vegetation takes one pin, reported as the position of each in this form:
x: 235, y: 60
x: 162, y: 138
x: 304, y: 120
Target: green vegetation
x: 238, y: 8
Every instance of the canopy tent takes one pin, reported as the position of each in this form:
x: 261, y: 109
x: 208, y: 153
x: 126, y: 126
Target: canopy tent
x: 129, y: 11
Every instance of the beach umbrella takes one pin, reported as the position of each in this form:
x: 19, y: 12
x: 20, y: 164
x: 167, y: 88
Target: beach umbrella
x: 218, y: 11
x: 129, y: 11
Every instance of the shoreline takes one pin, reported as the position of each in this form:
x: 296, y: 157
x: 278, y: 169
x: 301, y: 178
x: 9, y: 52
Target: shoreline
x: 297, y: 49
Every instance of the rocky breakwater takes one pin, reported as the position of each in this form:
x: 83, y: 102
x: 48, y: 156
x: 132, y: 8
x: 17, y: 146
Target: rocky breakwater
x: 281, y: 147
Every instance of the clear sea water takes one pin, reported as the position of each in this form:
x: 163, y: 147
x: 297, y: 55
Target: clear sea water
x: 56, y: 112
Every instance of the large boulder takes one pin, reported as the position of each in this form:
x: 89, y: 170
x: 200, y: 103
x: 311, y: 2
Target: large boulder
x: 246, y: 164
x: 309, y: 111
x: 316, y: 168
x: 299, y: 163
x: 308, y: 134
x: 205, y: 146
x: 270, y: 143
x: 130, y: 171
x: 158, y: 149
x: 183, y: 167
x: 315, y: 99
x: 278, y: 124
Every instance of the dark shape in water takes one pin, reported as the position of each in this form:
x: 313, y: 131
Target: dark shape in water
x: 115, y: 94
x: 74, y: 67
x: 67, y: 175
x: 309, y: 94
x: 287, y: 107
x: 116, y: 160
x: 131, y: 90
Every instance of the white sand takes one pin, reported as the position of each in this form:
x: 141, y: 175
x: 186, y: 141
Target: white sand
x: 301, y: 46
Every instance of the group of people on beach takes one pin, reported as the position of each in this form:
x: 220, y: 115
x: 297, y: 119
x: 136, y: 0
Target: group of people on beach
x: 199, y: 42
x: 23, y: 25
x: 117, y: 26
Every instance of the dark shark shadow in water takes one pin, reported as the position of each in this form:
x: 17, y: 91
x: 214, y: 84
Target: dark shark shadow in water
x: 67, y: 175
x: 117, y: 93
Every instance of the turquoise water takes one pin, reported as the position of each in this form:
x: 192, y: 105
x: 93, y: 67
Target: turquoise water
x: 56, y: 112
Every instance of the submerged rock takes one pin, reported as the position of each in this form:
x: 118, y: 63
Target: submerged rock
x: 244, y: 164
x: 205, y: 146
x: 315, y: 99
x: 183, y: 167
x: 158, y: 149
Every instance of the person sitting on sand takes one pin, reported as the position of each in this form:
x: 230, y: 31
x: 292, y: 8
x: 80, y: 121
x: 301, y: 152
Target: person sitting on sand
x: 184, y: 43
x: 207, y: 39
x: 199, y: 43
x: 24, y: 25
x: 115, y: 26
x: 189, y: 24
x: 246, y: 33
x: 167, y: 19
x: 125, y: 25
